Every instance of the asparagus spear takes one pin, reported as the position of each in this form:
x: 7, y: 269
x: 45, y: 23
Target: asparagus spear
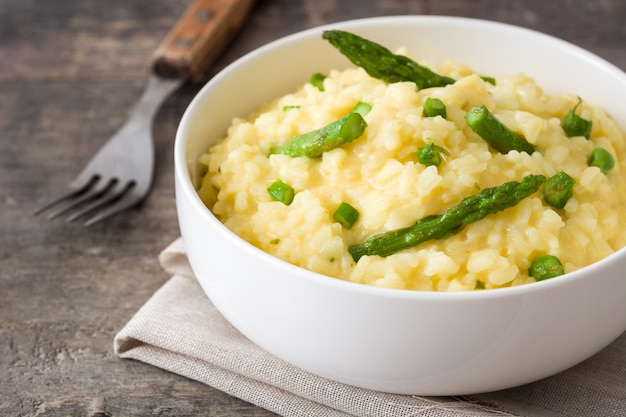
x: 471, y: 209
x: 379, y: 62
x: 494, y: 132
x: 313, y: 144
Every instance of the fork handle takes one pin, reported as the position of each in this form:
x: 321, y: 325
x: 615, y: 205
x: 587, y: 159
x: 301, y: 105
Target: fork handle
x: 198, y: 37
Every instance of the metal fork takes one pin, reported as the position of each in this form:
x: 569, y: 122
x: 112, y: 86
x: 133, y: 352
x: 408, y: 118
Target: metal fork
x: 120, y: 174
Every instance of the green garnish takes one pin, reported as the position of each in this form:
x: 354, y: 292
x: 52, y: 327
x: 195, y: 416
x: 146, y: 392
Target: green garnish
x: 279, y: 191
x: 574, y: 125
x: 494, y: 132
x: 470, y: 210
x: 430, y: 154
x: 602, y: 159
x: 380, y: 63
x: 487, y: 79
x: 546, y: 266
x: 314, y: 144
x: 346, y: 215
x: 362, y: 108
x: 434, y: 107
x: 558, y: 189
x: 317, y: 80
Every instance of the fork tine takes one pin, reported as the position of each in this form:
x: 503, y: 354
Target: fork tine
x: 113, y: 191
x: 70, y: 191
x: 129, y: 199
x: 95, y: 189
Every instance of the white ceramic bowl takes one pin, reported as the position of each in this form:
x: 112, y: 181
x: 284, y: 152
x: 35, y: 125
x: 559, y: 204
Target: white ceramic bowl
x: 394, y: 340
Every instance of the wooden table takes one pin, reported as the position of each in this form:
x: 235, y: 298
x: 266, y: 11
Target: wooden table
x: 69, y: 73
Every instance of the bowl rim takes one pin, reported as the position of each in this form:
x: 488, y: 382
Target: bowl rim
x: 189, y: 191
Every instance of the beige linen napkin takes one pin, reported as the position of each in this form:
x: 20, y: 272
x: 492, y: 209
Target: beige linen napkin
x: 178, y: 329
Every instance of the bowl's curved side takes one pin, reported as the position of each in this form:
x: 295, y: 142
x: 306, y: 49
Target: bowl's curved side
x: 408, y: 343
x: 395, y: 341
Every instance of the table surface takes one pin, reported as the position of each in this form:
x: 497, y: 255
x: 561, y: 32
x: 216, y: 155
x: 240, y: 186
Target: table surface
x: 70, y: 71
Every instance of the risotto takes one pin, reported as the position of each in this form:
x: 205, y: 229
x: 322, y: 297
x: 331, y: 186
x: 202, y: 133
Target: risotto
x: 380, y: 176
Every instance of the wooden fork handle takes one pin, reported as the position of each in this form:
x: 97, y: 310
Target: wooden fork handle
x: 197, y: 39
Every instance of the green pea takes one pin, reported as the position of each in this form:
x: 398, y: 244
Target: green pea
x: 546, y: 266
x: 558, y: 189
x: 602, y: 159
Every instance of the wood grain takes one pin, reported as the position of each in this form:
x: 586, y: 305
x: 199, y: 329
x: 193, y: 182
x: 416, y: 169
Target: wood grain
x: 199, y: 37
x: 70, y: 72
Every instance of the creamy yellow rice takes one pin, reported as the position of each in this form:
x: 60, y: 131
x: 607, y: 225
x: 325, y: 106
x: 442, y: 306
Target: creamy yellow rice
x: 379, y: 175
